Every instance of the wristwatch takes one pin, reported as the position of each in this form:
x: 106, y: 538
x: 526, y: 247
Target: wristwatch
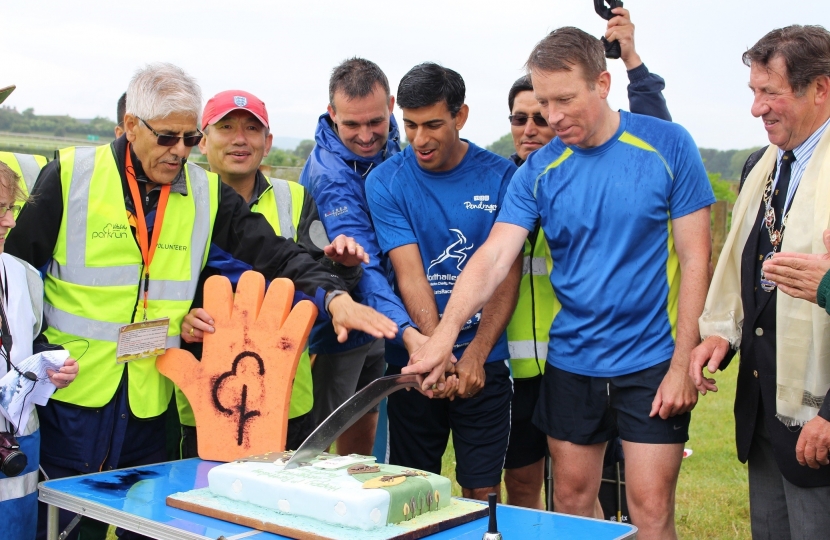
x: 331, y: 295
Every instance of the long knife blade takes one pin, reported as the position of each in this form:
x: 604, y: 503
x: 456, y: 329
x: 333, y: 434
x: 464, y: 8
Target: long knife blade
x: 347, y: 414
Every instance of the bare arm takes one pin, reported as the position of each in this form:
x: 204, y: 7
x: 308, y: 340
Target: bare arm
x: 692, y: 240
x: 419, y: 301
x: 416, y: 291
x: 484, y: 272
x: 494, y: 318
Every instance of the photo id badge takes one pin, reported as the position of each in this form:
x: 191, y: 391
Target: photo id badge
x: 142, y: 340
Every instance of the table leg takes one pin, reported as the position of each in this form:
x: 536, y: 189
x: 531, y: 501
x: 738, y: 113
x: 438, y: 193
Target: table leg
x: 52, y: 525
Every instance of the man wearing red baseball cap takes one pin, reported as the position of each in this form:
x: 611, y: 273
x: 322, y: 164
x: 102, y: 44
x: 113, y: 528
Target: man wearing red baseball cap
x: 236, y: 139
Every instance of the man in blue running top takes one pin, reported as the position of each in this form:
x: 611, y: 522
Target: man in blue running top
x: 433, y: 205
x: 527, y: 333
x: 623, y: 201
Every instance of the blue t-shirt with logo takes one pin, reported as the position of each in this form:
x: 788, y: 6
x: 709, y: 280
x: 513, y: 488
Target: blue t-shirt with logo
x: 606, y: 214
x: 448, y: 214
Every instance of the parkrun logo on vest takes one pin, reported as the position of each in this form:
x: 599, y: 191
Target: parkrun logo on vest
x: 481, y: 204
x: 111, y: 231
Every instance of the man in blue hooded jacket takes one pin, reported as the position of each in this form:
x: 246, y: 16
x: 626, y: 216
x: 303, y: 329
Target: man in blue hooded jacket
x: 355, y: 135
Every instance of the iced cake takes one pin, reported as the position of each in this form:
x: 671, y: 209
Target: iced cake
x: 348, y: 491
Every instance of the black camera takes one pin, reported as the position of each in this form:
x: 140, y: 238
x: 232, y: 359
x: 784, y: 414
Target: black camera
x: 612, y: 48
x: 12, y: 459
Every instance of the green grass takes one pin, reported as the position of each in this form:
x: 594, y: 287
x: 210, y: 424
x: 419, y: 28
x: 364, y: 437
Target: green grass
x: 712, y: 496
x: 712, y: 492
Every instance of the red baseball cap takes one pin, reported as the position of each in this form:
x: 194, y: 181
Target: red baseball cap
x: 230, y: 100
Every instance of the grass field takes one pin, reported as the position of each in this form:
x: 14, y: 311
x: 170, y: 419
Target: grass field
x: 712, y: 497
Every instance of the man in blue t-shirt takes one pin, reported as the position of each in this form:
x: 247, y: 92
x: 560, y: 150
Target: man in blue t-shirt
x: 623, y: 202
x: 433, y: 205
x: 527, y: 333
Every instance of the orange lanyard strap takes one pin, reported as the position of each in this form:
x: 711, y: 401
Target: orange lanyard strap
x: 148, y: 249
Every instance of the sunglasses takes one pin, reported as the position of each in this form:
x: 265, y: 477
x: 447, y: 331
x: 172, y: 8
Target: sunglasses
x: 173, y: 140
x: 521, y: 119
x: 15, y: 208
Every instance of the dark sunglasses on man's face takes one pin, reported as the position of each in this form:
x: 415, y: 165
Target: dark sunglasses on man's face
x: 521, y: 119
x: 173, y: 140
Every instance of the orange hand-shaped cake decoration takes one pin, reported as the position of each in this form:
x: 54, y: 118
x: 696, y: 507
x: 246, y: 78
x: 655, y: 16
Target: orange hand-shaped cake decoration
x: 241, y: 389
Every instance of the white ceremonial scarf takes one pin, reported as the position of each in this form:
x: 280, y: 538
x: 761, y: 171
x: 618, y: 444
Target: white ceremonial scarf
x: 802, y: 328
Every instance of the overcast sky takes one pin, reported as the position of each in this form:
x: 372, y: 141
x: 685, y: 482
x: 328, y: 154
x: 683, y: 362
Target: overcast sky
x: 76, y: 58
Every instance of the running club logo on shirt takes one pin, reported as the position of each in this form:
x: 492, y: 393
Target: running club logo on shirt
x: 480, y: 202
x: 111, y: 231
x: 457, y: 254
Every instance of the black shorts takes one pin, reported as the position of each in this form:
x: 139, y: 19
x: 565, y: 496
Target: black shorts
x: 528, y: 444
x: 419, y: 429
x: 589, y: 410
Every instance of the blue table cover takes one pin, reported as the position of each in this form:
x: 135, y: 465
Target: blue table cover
x: 142, y: 492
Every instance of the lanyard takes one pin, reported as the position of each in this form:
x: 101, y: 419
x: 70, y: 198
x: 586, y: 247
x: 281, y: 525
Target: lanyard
x: 148, y: 249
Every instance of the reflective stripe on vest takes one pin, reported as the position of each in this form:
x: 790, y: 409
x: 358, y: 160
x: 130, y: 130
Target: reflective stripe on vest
x: 27, y: 166
x: 18, y: 486
x: 88, y: 301
x: 538, y: 264
x: 282, y: 206
x: 282, y: 194
x: 524, y: 349
x: 536, y: 304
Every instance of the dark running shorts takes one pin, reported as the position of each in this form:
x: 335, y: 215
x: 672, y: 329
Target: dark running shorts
x: 528, y: 444
x: 419, y: 429
x: 579, y: 409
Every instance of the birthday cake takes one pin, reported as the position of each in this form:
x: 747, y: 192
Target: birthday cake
x: 349, y: 491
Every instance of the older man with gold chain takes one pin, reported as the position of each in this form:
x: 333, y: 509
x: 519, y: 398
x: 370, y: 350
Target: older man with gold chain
x: 782, y: 410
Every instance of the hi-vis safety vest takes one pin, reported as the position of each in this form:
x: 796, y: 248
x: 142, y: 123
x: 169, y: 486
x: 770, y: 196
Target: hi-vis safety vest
x: 26, y: 166
x: 282, y: 206
x: 534, y: 313
x: 92, y: 284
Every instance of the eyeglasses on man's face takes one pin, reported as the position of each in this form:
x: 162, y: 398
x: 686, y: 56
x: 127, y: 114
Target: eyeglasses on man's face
x: 521, y: 119
x: 173, y: 140
x: 15, y: 208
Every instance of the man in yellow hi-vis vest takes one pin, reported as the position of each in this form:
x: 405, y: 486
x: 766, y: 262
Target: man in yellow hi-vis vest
x: 97, y: 210
x: 237, y: 138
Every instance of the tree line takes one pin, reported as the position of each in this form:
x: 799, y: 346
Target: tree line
x: 723, y: 165
x: 58, y: 126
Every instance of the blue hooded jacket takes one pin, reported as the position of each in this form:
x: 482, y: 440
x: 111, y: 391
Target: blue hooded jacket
x: 335, y: 177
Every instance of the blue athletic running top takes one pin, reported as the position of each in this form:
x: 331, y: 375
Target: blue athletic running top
x: 448, y: 214
x: 606, y: 213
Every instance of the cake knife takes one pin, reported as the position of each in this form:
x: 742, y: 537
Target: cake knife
x: 347, y: 414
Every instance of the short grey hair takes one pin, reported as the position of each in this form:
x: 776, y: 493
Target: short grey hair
x: 161, y: 89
